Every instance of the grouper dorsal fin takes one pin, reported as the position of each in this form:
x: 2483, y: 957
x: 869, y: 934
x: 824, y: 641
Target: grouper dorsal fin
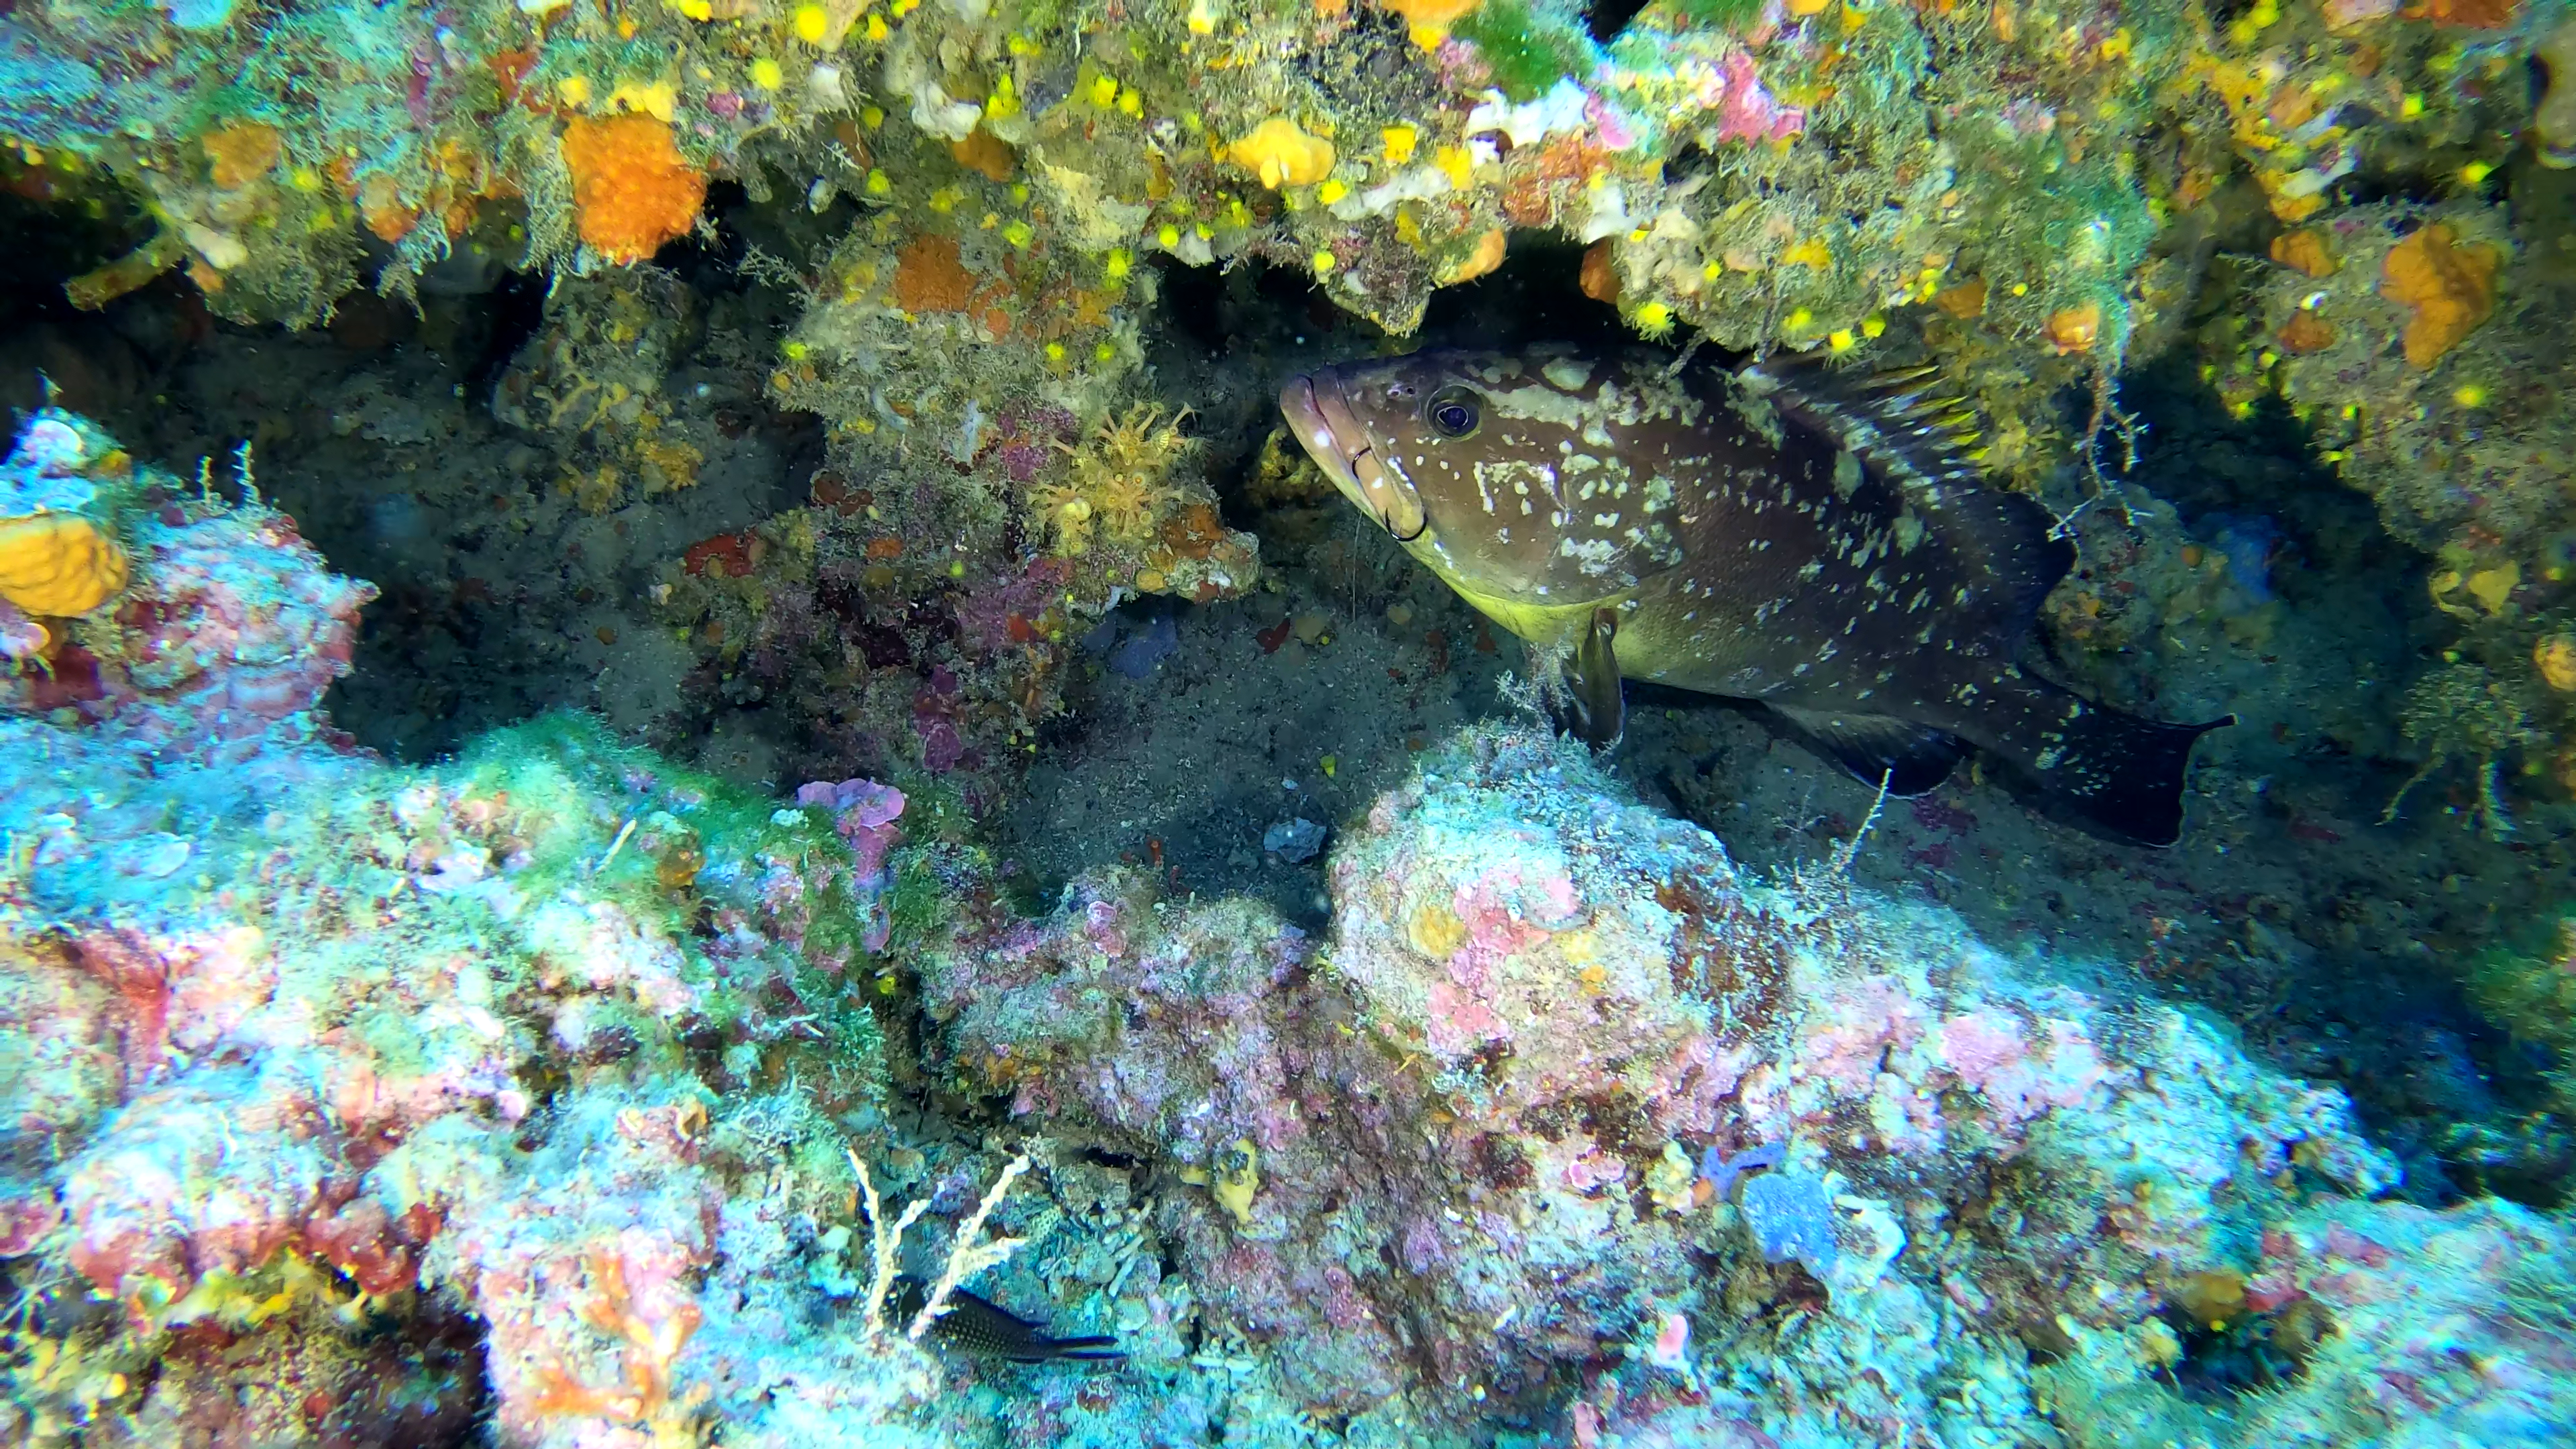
x: 1905, y: 423
x: 1910, y: 430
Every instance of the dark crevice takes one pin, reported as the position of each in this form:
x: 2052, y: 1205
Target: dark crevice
x: 1607, y: 18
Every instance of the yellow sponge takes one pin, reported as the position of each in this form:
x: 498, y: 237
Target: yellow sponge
x: 1282, y: 154
x: 58, y: 564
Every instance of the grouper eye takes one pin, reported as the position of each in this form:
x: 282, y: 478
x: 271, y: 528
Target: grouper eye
x: 1454, y: 412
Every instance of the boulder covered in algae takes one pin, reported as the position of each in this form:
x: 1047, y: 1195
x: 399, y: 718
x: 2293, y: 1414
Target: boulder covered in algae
x: 1568, y: 1121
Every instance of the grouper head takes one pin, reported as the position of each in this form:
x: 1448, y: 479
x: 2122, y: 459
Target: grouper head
x: 1531, y: 482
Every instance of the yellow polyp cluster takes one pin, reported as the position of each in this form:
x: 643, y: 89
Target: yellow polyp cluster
x: 1435, y: 931
x: 1281, y: 153
x: 1123, y: 476
x: 58, y: 564
x: 1065, y: 514
x: 1810, y: 253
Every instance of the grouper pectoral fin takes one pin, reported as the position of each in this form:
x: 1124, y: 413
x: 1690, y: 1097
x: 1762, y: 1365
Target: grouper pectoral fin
x: 1910, y: 757
x: 1596, y: 682
x: 1581, y: 685
x: 2113, y: 774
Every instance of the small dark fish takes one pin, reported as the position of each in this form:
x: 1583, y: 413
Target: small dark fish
x: 980, y: 1328
x: 1780, y: 533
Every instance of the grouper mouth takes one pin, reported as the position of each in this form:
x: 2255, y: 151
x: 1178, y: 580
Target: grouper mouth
x: 1333, y: 437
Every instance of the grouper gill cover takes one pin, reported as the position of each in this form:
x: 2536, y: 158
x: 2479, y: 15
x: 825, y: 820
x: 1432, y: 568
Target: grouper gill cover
x: 1781, y: 536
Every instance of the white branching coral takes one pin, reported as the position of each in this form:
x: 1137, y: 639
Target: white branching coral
x: 966, y: 1257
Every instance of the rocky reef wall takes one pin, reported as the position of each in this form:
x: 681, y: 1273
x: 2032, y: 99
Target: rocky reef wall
x: 559, y: 1096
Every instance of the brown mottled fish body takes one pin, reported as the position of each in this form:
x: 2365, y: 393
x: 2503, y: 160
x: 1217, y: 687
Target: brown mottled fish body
x: 1768, y: 535
x: 980, y: 1328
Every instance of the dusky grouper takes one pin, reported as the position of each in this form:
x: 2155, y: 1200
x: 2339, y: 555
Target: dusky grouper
x: 1776, y: 533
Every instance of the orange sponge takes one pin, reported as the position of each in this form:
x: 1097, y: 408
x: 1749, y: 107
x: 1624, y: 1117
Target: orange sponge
x: 2450, y: 288
x: 631, y: 189
x: 58, y: 564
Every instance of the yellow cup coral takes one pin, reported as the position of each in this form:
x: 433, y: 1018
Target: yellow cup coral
x: 1282, y: 154
x: 58, y: 564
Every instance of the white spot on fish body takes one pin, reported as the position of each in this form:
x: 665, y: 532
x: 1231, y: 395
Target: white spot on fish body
x: 1567, y: 373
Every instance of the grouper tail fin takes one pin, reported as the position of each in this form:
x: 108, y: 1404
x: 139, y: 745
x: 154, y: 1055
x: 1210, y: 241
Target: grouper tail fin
x: 2113, y: 774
